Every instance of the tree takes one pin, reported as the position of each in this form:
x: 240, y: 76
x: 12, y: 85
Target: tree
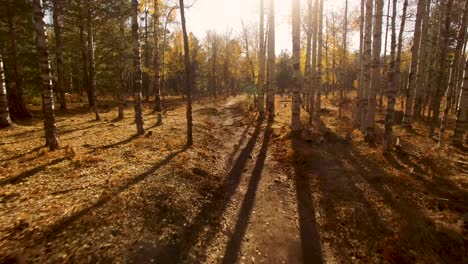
x: 91, y: 61
x: 375, y: 74
x: 59, y: 56
x: 313, y: 71
x: 156, y: 56
x: 391, y: 89
x: 357, y: 114
x: 400, y: 42
x: 452, y: 74
x: 261, y: 61
x: 367, y: 65
x: 307, y: 66
x: 410, y: 89
x: 461, y: 125
x: 137, y: 86
x: 343, y: 59
x: 16, y: 103
x: 123, y: 85
x: 318, y: 102
x: 188, y: 75
x: 4, y: 112
x: 296, y: 39
x: 47, y: 94
x: 271, y: 85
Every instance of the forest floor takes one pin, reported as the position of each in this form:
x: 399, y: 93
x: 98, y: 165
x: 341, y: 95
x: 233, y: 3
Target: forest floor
x: 246, y: 192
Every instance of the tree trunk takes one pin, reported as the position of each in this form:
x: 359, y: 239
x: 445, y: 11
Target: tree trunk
x: 4, y: 112
x: 313, y: 74
x: 452, y: 75
x: 423, y: 65
x: 47, y: 94
x: 296, y: 57
x: 318, y: 99
x: 58, y: 55
x: 16, y: 103
x: 137, y: 70
x: 375, y: 75
x: 188, y: 75
x: 271, y: 62
x: 91, y: 62
x: 147, y: 53
x: 384, y: 80
x: 261, y: 62
x: 367, y: 64
x: 398, y: 78
x: 84, y: 55
x: 411, y: 88
x: 461, y: 125
x: 442, y: 62
x: 343, y: 61
x: 157, y: 70
x: 391, y: 89
x: 307, y: 72
x: 123, y: 85
x: 357, y: 113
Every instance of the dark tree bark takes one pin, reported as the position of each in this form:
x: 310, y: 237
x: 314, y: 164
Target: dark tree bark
x: 188, y: 75
x: 59, y: 56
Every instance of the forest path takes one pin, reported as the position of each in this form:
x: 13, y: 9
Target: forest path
x: 261, y: 221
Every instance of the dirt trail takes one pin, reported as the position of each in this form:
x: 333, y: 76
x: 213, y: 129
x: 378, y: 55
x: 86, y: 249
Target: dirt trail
x: 260, y: 223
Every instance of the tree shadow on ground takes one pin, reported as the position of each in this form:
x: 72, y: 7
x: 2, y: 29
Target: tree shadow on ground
x: 370, y: 215
x: 26, y: 174
x: 56, y: 228
x: 206, y: 224
x: 233, y: 247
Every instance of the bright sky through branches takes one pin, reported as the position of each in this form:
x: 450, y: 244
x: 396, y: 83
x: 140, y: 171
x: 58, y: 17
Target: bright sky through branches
x: 220, y: 15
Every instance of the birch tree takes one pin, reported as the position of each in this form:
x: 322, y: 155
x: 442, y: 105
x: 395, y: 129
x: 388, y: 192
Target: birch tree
x: 367, y: 64
x: 4, y: 112
x: 137, y: 86
x: 156, y: 59
x: 261, y: 61
x: 357, y: 113
x: 271, y: 62
x: 296, y: 56
x: 461, y: 125
x: 46, y: 81
x: 392, y: 88
x: 318, y: 105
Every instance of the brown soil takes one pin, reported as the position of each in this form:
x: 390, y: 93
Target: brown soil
x: 246, y: 192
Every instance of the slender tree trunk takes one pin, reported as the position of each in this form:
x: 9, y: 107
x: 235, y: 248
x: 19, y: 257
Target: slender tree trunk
x: 296, y: 57
x: 16, y: 103
x: 411, y: 88
x: 391, y: 89
x: 157, y: 70
x: 384, y: 80
x: 375, y: 76
x: 47, y: 94
x: 461, y: 125
x: 343, y: 61
x: 84, y: 55
x: 58, y: 55
x: 261, y: 61
x: 423, y: 65
x: 313, y: 74
x: 146, y: 78
x: 271, y: 62
x: 188, y: 75
x: 360, y: 95
x: 398, y: 78
x: 443, y: 57
x: 318, y: 99
x: 123, y: 85
x: 451, y: 85
x: 91, y: 62
x: 4, y: 112
x: 137, y: 86
x: 307, y: 72
x: 367, y: 64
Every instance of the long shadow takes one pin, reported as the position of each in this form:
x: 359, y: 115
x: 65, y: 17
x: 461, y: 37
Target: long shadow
x: 24, y: 175
x: 234, y: 244
x: 309, y: 232
x: 55, y: 229
x: 23, y: 154
x: 207, y: 221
